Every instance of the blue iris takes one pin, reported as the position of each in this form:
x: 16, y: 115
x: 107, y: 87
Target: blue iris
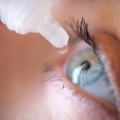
x: 85, y: 68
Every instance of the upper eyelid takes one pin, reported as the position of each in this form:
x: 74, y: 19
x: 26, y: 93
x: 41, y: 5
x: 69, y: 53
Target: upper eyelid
x: 80, y: 28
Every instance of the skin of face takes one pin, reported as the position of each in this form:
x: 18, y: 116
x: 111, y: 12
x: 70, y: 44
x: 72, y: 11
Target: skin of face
x: 33, y: 85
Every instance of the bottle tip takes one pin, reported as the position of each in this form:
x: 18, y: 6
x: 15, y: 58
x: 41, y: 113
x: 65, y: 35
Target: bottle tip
x: 54, y: 33
x: 62, y: 50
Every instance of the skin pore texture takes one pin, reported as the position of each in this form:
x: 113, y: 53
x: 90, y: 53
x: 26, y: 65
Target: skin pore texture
x: 33, y: 85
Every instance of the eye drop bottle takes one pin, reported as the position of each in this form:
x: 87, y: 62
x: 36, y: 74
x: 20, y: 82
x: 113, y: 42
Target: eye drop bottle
x: 25, y: 16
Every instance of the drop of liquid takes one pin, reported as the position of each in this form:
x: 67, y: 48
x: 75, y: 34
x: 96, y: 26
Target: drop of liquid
x: 62, y: 50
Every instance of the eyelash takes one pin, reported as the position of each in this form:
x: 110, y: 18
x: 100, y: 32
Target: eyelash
x: 81, y: 29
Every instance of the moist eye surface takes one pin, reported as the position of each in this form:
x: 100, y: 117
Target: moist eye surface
x: 86, y: 70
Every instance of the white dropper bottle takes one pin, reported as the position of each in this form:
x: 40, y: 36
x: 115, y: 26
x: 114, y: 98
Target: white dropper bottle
x: 25, y: 16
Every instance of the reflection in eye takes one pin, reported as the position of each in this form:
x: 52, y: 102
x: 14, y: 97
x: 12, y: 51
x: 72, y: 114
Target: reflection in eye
x: 86, y: 70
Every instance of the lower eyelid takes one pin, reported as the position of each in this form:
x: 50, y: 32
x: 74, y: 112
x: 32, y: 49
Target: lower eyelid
x: 83, y: 102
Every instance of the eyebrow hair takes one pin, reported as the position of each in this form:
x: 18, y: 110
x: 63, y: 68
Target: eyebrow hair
x: 80, y: 28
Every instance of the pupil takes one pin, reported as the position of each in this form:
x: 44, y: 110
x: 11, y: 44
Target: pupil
x: 86, y: 65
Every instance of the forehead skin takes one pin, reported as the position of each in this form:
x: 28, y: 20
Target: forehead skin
x: 102, y: 17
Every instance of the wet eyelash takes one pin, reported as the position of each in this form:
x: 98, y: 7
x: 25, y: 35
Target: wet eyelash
x: 81, y: 29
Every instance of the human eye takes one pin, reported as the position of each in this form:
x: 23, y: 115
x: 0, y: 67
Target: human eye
x: 86, y: 70
x: 86, y: 67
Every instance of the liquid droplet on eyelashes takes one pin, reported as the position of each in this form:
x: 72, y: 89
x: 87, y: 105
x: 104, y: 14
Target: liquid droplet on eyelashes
x: 62, y: 50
